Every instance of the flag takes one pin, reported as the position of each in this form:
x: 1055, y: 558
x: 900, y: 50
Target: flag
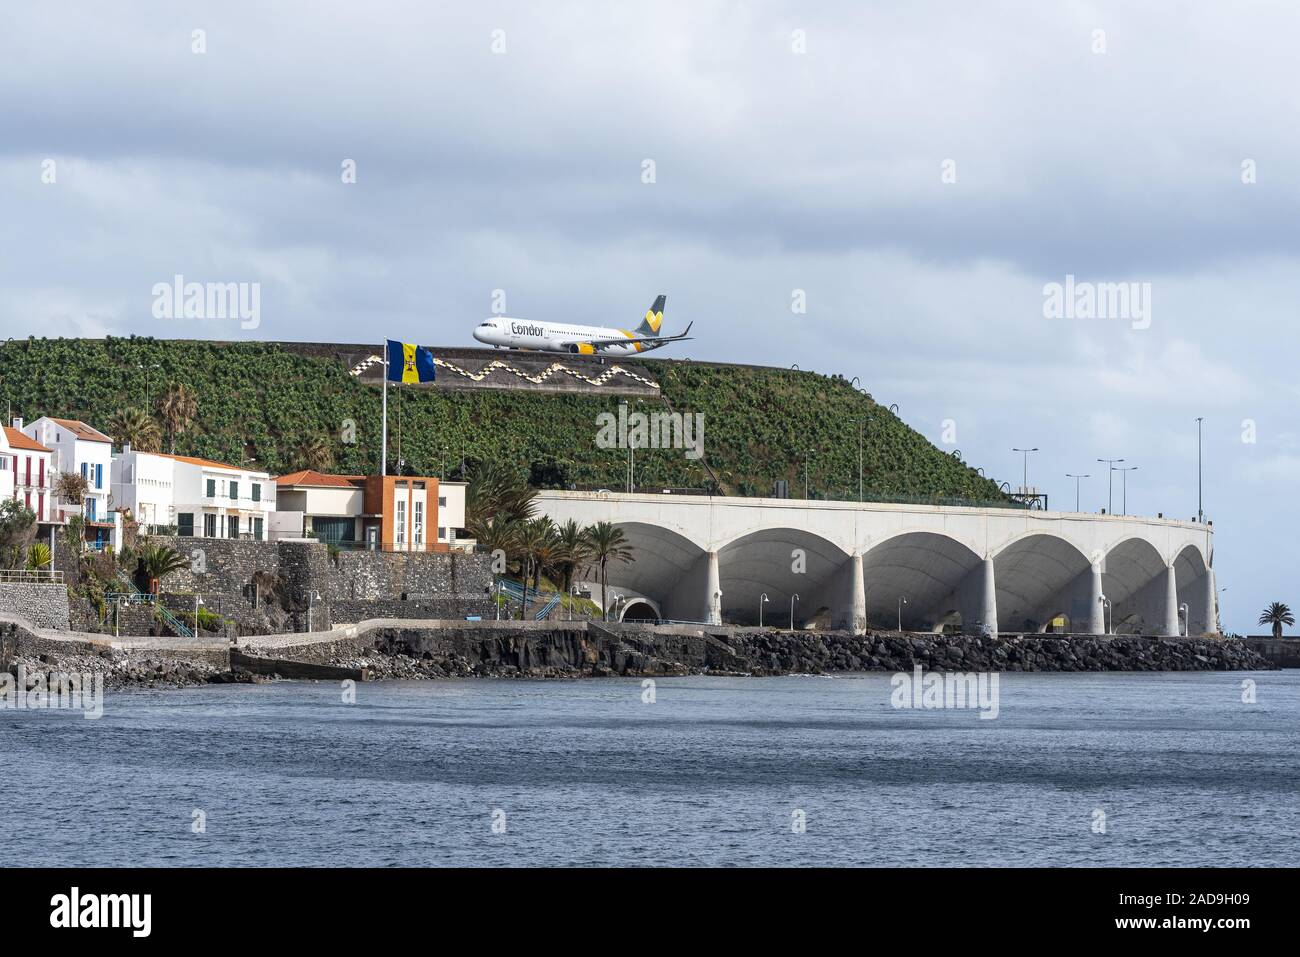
x: 408, y: 362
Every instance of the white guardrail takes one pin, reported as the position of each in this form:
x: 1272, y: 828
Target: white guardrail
x: 27, y: 576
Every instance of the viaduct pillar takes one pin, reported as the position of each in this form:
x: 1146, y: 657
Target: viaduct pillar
x: 713, y: 592
x: 857, y: 597
x: 989, y: 600
x: 1171, y: 603
x: 1096, y: 610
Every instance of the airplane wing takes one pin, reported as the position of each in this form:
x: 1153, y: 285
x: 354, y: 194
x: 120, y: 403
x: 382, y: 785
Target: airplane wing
x: 623, y: 340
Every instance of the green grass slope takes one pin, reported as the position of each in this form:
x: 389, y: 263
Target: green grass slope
x: 256, y: 401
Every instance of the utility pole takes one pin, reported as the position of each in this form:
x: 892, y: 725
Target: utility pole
x: 1110, y: 485
x: 1076, y: 487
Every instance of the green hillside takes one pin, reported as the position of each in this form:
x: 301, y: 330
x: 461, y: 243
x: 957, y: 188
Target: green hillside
x: 256, y: 402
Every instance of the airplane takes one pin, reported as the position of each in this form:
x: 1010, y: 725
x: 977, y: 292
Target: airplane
x: 579, y: 340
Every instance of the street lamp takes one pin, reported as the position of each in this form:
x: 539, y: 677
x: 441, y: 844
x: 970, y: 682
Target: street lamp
x: 198, y: 600
x: 1076, y: 487
x: 1110, y: 485
x: 1105, y: 604
x: 1187, y: 622
x: 1024, y: 479
x: 761, y: 603
x: 146, y: 368
x: 312, y: 598
x: 806, y: 456
x: 1200, y: 515
x: 793, y: 598
x: 1124, y: 507
x: 901, y: 602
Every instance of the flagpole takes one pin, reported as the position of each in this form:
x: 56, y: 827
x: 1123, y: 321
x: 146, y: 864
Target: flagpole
x: 383, y: 455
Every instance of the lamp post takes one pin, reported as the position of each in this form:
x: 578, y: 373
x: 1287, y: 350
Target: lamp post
x: 807, y: 455
x: 1105, y: 604
x: 763, y: 601
x: 1024, y: 478
x: 901, y: 602
x: 861, y: 425
x: 1110, y: 485
x: 198, y: 600
x: 1187, y: 622
x: 312, y: 598
x: 1200, y: 515
x: 146, y: 368
x: 1076, y: 487
x: 1124, y: 506
x: 793, y: 598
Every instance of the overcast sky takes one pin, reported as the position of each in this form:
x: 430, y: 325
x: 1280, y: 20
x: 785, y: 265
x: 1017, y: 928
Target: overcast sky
x: 783, y: 161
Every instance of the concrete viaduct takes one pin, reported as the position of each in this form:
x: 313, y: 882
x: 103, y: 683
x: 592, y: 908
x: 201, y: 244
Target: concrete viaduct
x: 860, y: 565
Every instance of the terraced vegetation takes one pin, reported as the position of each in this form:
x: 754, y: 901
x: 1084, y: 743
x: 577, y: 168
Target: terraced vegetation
x: 263, y: 405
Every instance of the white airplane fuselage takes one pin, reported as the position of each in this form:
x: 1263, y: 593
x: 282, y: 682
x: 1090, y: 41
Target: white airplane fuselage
x: 558, y: 337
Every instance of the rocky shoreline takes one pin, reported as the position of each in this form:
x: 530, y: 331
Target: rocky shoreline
x: 771, y: 653
x: 404, y: 653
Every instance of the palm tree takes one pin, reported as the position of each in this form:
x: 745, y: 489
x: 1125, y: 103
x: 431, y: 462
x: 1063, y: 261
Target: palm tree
x: 159, y: 561
x: 1277, y: 614
x: 134, y: 427
x: 535, y: 537
x: 607, y: 543
x: 497, y: 491
x: 178, y: 407
x: 38, y: 555
x: 573, y: 553
x: 546, y: 551
x: 314, y: 452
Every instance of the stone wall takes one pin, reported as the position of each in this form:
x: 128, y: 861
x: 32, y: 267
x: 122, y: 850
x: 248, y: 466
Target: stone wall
x: 353, y: 612
x: 44, y: 604
x: 385, y: 575
x: 351, y: 585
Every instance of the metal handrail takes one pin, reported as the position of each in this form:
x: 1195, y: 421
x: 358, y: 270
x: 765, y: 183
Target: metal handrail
x: 28, y: 575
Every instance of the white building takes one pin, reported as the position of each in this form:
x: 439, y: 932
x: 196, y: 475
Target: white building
x: 451, y: 513
x: 77, y: 448
x: 201, y: 498
x: 29, y: 471
x: 6, y: 467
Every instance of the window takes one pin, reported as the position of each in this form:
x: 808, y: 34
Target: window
x: 185, y: 524
x: 210, y: 525
x: 212, y: 488
x: 442, y: 534
x: 257, y: 492
x: 99, y: 476
x: 234, y: 490
x: 401, y: 523
x: 232, y: 526
x: 90, y: 509
x: 257, y: 529
x: 419, y: 523
x: 442, y: 501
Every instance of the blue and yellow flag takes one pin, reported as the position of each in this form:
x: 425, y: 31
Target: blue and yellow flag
x: 408, y: 362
